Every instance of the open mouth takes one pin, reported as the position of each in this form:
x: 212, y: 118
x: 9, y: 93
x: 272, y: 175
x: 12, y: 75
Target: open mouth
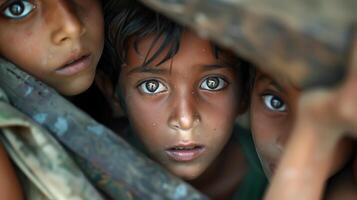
x: 185, y: 153
x: 74, y: 66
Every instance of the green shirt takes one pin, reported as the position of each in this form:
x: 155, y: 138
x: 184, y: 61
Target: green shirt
x: 254, y: 183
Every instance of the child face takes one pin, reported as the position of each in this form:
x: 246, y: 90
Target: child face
x: 59, y: 42
x: 273, y: 110
x: 184, y: 109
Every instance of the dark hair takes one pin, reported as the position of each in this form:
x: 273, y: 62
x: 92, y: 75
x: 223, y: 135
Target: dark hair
x: 132, y: 20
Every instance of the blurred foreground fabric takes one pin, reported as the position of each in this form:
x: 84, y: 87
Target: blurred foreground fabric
x: 45, y: 168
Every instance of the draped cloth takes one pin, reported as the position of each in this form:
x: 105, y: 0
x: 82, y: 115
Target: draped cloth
x: 46, y: 170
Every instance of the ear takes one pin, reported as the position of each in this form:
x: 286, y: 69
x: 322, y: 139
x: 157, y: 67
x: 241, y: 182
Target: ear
x: 106, y: 86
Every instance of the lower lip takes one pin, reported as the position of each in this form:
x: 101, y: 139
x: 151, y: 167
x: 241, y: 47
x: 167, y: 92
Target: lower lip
x: 75, y: 67
x: 185, y: 155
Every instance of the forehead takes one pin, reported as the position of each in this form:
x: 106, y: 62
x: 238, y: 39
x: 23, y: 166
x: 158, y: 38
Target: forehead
x: 281, y: 82
x: 192, y: 48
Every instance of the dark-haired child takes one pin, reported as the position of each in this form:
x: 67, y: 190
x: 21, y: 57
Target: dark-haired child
x: 182, y: 95
x: 273, y: 111
x: 58, y: 42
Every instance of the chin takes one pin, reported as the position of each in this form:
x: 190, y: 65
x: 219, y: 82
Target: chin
x: 77, y: 87
x: 187, y: 173
x: 188, y: 177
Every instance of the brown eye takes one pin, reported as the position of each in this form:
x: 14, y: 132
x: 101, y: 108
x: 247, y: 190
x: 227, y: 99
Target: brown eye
x: 18, y: 9
x: 213, y: 83
x: 152, y: 87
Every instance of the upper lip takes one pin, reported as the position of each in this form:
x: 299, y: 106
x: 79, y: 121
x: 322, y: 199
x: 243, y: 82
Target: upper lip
x: 73, y: 58
x: 184, y: 145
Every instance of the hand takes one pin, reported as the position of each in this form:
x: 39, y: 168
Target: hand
x: 323, y: 119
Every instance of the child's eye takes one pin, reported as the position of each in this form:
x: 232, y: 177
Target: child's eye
x: 274, y: 103
x: 152, y: 87
x: 213, y: 83
x: 18, y: 9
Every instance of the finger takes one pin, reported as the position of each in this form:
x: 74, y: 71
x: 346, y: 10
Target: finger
x: 347, y: 96
x: 307, y: 159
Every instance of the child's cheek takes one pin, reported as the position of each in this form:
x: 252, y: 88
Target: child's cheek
x: 26, y: 53
x: 146, y: 113
x: 270, y: 148
x: 265, y: 136
x: 267, y: 143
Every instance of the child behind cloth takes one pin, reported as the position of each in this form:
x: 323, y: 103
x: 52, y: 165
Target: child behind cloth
x: 181, y: 95
x: 58, y: 42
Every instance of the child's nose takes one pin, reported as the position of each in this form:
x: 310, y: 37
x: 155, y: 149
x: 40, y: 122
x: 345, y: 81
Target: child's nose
x: 68, y: 25
x: 184, y: 114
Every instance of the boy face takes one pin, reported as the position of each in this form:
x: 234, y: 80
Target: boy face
x: 274, y: 105
x: 184, y: 109
x: 59, y: 42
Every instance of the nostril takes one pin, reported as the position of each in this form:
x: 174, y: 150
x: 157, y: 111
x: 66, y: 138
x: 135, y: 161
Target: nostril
x: 196, y: 121
x: 63, y: 39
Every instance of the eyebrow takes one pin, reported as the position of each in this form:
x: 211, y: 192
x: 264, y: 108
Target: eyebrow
x: 271, y: 82
x: 5, y: 3
x: 2, y: 3
x: 148, y: 69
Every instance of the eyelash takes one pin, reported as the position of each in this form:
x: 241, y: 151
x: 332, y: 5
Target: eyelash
x: 143, y: 87
x: 221, y: 80
x: 267, y: 98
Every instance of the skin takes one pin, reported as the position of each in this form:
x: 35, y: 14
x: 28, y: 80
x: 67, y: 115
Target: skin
x: 42, y: 38
x: 50, y: 34
x: 9, y: 185
x: 182, y: 111
x: 325, y: 117
x: 273, y: 125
